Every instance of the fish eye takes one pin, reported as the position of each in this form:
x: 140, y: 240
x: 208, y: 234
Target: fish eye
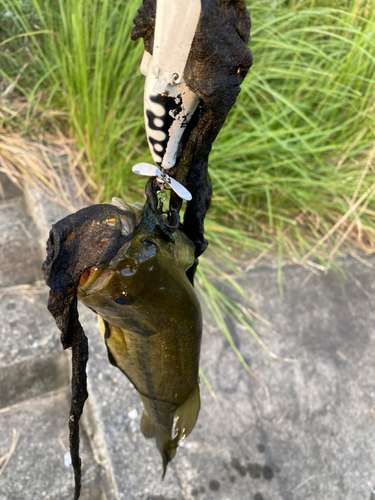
x: 149, y: 243
x: 121, y: 301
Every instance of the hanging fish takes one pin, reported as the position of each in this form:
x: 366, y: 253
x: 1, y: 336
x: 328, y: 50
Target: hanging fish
x: 150, y: 320
x: 127, y: 265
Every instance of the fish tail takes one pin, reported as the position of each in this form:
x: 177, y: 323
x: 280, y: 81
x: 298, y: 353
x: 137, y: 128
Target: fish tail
x: 167, y: 457
x: 186, y: 417
x: 166, y: 445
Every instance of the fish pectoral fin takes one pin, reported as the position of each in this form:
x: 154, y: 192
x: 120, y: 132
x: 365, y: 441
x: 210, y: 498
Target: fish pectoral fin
x: 187, y: 414
x: 103, y: 325
x: 115, y: 342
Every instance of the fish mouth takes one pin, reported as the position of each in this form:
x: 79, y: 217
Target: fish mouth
x: 93, y: 278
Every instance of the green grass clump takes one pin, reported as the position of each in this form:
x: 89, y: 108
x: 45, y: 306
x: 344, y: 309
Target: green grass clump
x: 293, y: 167
x: 83, y: 61
x: 296, y: 152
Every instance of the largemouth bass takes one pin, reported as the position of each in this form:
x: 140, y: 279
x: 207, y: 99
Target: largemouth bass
x: 150, y: 320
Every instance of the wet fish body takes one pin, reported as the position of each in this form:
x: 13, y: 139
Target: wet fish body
x: 150, y: 319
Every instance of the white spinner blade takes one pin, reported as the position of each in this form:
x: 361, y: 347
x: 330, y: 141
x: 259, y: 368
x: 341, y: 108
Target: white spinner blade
x: 146, y: 169
x: 175, y: 26
x: 178, y: 188
x: 153, y: 171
